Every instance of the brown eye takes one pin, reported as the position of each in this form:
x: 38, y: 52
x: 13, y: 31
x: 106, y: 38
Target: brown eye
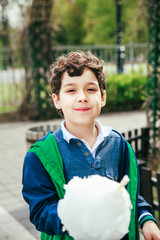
x: 91, y: 90
x: 70, y: 90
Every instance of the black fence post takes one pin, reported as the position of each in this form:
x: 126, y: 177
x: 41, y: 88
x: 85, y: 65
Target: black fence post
x: 145, y: 142
x: 146, y: 185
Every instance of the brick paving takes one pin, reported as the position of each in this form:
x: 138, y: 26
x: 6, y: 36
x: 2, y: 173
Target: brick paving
x: 14, y: 216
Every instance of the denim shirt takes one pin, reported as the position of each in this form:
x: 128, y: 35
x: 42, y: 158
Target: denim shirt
x: 78, y: 160
x: 103, y: 131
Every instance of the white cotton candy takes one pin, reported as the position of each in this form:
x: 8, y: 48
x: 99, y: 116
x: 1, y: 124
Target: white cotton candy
x: 95, y: 208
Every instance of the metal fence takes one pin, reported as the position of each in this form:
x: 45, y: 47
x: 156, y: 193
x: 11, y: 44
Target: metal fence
x: 133, y: 52
x: 140, y: 141
x: 12, y: 72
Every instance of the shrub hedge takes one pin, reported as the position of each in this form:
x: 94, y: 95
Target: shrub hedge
x: 125, y: 91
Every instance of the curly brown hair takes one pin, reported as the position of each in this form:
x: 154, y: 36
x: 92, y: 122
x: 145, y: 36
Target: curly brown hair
x: 75, y: 63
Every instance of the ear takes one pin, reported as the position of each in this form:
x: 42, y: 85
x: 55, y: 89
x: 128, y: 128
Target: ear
x: 56, y: 101
x: 103, y: 99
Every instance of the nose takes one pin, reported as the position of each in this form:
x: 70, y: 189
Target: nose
x: 82, y: 97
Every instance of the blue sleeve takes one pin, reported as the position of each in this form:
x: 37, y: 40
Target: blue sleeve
x: 142, y: 204
x: 39, y: 192
x: 145, y: 211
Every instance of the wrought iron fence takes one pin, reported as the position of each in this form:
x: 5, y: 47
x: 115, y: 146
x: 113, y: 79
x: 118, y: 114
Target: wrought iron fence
x: 132, y: 52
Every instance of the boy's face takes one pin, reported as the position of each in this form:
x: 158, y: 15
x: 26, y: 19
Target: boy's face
x: 79, y: 98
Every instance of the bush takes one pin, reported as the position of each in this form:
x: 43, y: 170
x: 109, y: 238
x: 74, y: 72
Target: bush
x: 125, y: 91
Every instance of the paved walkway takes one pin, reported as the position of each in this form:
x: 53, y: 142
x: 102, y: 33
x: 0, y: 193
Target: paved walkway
x: 14, y: 217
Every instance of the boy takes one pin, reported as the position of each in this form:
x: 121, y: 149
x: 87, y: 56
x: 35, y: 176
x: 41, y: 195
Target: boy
x: 86, y: 148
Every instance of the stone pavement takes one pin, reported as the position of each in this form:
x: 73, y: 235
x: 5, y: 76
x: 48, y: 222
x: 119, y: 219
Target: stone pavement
x: 14, y: 216
x: 10, y: 228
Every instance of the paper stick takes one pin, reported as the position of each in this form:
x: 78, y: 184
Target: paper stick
x: 123, y: 182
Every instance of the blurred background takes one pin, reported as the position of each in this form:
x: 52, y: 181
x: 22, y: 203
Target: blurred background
x: 34, y: 33
x: 124, y: 34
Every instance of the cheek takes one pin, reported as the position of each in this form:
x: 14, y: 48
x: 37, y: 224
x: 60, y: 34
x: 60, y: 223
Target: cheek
x: 96, y: 102
x: 97, y: 99
x: 66, y: 104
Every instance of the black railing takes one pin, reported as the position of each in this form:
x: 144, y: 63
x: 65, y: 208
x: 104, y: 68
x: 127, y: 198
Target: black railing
x: 140, y: 141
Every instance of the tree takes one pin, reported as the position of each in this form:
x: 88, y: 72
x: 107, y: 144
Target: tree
x: 94, y: 21
x: 4, y: 33
x: 69, y: 19
x: 100, y: 22
x: 134, y: 20
x: 39, y: 54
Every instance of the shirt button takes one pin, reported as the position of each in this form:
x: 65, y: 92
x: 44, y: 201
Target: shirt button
x: 86, y: 154
x: 79, y: 143
x: 93, y: 165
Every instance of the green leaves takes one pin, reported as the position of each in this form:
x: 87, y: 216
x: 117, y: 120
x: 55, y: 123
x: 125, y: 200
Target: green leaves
x: 94, y: 21
x: 125, y: 92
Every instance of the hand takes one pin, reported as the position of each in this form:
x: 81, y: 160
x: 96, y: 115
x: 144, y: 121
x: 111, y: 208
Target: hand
x: 151, y: 231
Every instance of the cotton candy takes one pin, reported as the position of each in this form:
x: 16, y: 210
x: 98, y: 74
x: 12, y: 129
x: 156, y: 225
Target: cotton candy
x: 95, y: 208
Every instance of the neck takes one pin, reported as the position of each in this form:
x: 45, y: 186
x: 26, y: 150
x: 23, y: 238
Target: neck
x: 87, y: 132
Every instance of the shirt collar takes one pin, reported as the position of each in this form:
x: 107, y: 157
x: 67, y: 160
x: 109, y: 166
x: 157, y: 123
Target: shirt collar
x: 103, y: 131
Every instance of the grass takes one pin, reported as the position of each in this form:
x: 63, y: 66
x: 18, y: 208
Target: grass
x: 8, y: 108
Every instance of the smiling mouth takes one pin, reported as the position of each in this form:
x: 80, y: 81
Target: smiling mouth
x: 82, y: 109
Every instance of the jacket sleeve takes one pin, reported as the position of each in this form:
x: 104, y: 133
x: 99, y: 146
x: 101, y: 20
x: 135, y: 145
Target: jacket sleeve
x: 144, y: 210
x: 39, y: 192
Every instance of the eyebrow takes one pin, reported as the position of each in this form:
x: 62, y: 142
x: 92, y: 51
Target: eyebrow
x: 74, y: 84
x: 92, y: 83
x: 68, y: 85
